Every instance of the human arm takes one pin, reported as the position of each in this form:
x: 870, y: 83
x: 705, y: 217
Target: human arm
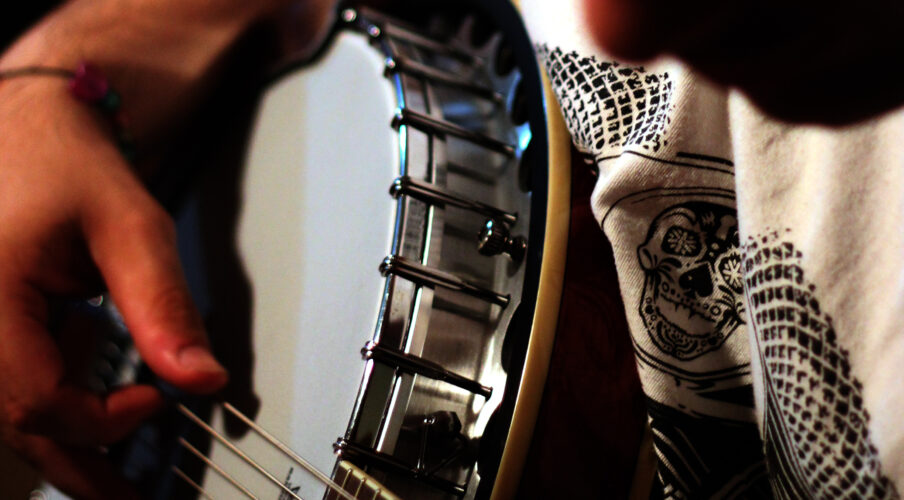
x: 75, y: 217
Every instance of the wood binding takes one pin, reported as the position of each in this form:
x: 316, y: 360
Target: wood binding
x: 580, y: 399
x: 536, y: 363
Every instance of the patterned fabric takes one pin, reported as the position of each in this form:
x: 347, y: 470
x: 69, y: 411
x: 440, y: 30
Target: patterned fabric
x: 770, y: 367
x: 627, y: 106
x: 817, y: 437
x: 680, y: 269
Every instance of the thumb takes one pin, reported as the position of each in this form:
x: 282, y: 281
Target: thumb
x: 132, y: 240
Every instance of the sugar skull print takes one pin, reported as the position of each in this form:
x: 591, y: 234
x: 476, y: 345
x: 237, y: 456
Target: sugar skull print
x: 692, y: 296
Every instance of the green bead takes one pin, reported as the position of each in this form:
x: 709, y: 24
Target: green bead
x: 110, y: 102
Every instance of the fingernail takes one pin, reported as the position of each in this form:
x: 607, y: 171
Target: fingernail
x: 198, y: 358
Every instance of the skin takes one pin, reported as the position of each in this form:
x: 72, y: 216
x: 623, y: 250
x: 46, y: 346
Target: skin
x: 77, y: 218
x: 830, y: 63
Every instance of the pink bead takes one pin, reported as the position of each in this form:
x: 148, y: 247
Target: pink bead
x: 88, y: 83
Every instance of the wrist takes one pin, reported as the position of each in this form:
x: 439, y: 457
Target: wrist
x: 158, y: 53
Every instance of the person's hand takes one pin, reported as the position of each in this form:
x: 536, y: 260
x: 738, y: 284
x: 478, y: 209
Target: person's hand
x: 73, y: 218
x: 800, y: 60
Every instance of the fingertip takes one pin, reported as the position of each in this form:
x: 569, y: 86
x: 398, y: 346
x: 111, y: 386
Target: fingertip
x: 138, y: 257
x: 136, y: 402
x: 207, y: 374
x: 191, y: 368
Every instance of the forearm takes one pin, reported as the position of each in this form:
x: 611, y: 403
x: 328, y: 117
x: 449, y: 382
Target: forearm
x: 159, y: 54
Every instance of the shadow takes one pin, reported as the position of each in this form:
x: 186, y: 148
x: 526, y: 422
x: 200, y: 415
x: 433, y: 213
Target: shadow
x: 592, y: 414
x: 200, y: 186
x: 207, y: 218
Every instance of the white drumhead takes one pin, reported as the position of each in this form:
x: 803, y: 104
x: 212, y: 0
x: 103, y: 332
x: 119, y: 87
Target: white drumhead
x: 316, y: 220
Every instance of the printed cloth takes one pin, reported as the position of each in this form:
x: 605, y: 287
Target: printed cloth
x: 760, y: 267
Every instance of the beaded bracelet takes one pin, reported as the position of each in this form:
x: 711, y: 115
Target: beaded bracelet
x: 87, y: 84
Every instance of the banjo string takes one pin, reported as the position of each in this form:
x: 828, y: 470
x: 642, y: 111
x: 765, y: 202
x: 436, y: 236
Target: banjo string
x: 335, y: 487
x: 287, y: 451
x: 234, y: 449
x: 176, y: 470
x: 219, y: 470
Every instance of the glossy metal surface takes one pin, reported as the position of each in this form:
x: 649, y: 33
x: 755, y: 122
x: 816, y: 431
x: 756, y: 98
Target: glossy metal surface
x: 494, y: 239
x: 419, y: 366
x: 427, y: 276
x: 426, y: 123
x: 441, y: 77
x: 454, y: 318
x: 434, y: 195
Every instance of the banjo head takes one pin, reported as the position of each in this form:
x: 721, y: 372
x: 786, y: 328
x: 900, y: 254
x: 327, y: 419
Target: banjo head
x: 313, y: 223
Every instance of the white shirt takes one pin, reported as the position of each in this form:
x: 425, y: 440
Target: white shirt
x: 760, y: 267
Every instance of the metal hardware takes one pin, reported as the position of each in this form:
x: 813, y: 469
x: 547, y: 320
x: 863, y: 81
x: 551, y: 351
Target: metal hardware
x: 355, y: 452
x: 424, y: 275
x: 426, y: 123
x: 376, y: 25
x: 434, y: 195
x: 420, y: 366
x: 483, y: 177
x: 403, y: 64
x: 444, y: 424
x: 397, y: 32
x: 494, y: 238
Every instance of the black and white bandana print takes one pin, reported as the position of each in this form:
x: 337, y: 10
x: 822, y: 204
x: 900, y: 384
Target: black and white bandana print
x: 608, y: 106
x: 692, y: 289
x: 691, y: 304
x: 817, y: 438
x: 700, y: 399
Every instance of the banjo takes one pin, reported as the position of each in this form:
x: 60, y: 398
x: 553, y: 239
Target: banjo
x: 385, y: 282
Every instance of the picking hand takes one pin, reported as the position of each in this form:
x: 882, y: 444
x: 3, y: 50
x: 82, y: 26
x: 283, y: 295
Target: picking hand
x: 74, y: 216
